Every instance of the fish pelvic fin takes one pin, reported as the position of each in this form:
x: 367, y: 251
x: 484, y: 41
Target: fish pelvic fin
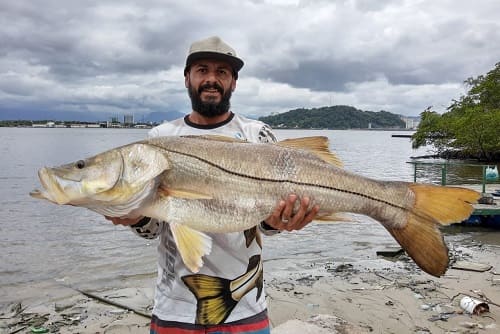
x: 192, y: 245
x: 213, y: 295
x: 420, y: 236
x: 317, y: 145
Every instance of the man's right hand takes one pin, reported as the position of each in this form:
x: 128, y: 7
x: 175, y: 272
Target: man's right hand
x: 124, y: 221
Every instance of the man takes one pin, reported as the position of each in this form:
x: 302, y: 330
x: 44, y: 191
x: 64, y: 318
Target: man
x: 226, y: 294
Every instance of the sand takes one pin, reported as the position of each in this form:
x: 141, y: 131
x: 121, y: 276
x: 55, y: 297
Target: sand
x: 374, y: 296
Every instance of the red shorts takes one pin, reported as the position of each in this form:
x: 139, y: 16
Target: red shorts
x: 258, y: 324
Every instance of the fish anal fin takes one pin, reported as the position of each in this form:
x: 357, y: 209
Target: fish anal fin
x: 213, y: 295
x: 317, y: 145
x: 182, y: 193
x: 192, y: 245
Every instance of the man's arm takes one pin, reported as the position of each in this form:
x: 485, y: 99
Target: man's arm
x: 145, y: 227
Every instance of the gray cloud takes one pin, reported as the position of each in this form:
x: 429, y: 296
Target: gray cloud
x: 401, y: 56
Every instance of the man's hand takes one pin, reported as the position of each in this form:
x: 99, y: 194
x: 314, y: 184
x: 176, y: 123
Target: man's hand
x: 124, y: 221
x: 282, y: 219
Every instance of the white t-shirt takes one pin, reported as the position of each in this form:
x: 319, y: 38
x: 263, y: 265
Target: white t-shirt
x: 230, y: 257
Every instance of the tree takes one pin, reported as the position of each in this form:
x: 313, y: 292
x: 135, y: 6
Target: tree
x: 471, y: 125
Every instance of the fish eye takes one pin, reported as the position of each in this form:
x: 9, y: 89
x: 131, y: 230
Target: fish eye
x: 80, y: 164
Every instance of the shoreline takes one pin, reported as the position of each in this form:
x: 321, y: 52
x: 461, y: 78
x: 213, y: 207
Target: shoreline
x: 382, y: 295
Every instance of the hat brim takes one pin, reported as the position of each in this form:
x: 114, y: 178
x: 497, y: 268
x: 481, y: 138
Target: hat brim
x: 235, y: 62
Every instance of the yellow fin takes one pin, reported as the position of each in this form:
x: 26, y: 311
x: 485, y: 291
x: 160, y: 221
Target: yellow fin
x: 420, y: 235
x: 181, y: 193
x: 192, y: 245
x: 213, y: 296
x: 317, y: 145
x: 445, y: 204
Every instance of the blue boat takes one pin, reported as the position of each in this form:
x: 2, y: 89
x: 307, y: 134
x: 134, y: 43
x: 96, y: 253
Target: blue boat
x: 490, y: 221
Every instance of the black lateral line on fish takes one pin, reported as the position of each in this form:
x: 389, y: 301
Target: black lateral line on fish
x: 281, y: 181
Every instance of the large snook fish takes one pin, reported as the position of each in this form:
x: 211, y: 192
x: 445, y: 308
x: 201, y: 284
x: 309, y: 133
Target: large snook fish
x: 215, y: 184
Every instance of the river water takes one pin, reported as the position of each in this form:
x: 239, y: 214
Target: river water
x: 42, y: 241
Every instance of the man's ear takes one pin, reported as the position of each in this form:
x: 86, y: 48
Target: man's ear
x: 233, y: 85
x: 186, y: 80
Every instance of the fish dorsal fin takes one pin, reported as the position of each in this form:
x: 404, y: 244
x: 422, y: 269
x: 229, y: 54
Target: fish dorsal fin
x: 192, y: 245
x: 317, y: 145
x: 221, y: 138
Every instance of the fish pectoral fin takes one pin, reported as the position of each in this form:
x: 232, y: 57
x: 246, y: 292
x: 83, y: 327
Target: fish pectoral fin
x: 317, y: 145
x: 192, y: 245
x: 182, y: 193
x: 213, y: 296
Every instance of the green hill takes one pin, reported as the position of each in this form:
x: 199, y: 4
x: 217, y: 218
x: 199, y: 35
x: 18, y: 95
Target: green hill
x: 334, y: 117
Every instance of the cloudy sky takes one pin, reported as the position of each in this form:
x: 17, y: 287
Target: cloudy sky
x: 127, y: 56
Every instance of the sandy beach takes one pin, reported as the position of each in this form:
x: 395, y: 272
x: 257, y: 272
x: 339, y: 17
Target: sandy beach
x: 380, y: 295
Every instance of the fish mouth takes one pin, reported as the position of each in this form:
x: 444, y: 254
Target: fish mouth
x: 51, y: 188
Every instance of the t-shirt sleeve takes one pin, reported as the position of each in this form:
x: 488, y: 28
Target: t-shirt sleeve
x: 266, y: 135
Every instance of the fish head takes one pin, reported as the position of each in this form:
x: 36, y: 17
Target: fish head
x: 119, y: 177
x: 74, y: 182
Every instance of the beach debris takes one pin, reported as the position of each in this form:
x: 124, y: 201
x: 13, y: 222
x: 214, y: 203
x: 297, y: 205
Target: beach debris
x: 425, y: 307
x: 312, y: 306
x: 473, y: 306
x: 38, y: 330
x: 483, y: 296
x: 471, y: 266
x: 486, y: 199
x: 444, y: 316
x: 11, y: 311
x: 390, y: 252
x: 471, y: 325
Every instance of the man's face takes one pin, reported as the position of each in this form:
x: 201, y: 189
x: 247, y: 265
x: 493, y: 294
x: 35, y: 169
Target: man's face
x: 210, y: 84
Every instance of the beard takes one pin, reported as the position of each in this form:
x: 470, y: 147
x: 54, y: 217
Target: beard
x: 209, y: 109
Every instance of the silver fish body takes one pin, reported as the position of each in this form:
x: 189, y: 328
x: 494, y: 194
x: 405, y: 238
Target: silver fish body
x: 212, y: 184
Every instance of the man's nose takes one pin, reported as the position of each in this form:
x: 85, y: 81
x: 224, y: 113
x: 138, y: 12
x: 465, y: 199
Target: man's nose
x: 211, y: 76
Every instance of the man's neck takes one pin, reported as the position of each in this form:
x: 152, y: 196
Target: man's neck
x: 197, y: 118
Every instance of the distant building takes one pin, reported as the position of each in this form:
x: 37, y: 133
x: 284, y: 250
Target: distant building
x: 411, y: 122
x: 128, y: 119
x: 46, y: 125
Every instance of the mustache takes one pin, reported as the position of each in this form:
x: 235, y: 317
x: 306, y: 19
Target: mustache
x: 211, y: 86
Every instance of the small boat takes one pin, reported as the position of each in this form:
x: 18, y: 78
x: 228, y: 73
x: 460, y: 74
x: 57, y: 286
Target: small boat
x: 490, y: 221
x: 491, y: 173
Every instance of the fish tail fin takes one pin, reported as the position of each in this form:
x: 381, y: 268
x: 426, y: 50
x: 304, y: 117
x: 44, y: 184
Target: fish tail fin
x: 213, y: 295
x: 420, y: 236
